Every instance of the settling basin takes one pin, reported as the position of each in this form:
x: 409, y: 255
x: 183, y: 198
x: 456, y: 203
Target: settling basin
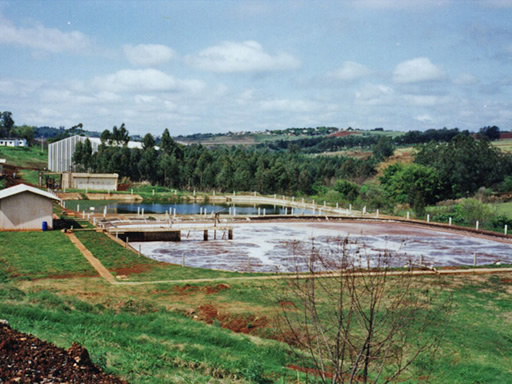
x: 286, y: 247
x: 116, y: 207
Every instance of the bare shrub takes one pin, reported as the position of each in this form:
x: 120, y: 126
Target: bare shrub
x: 356, y: 317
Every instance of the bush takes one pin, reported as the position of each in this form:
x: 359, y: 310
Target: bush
x: 349, y: 191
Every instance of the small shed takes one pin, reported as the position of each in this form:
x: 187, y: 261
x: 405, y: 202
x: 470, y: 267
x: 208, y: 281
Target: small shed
x: 23, y: 207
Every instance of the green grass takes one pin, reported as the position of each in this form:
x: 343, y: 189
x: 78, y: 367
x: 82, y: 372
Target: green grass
x: 29, y: 175
x: 146, y: 344
x: 115, y: 257
x: 503, y: 208
x: 504, y: 145
x: 36, y: 255
x: 133, y: 331
x: 25, y: 156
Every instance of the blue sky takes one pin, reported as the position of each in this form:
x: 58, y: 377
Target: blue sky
x: 216, y: 66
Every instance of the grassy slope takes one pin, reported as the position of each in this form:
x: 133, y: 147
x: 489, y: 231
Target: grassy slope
x: 144, y: 343
x: 27, y: 160
x: 25, y: 157
x: 35, y: 255
x: 139, y: 333
x: 115, y: 257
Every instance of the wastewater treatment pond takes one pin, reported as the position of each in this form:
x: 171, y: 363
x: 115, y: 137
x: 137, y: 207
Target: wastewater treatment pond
x: 287, y: 247
x: 117, y: 207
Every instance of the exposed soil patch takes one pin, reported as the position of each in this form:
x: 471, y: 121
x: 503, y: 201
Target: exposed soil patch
x: 132, y: 269
x: 27, y: 359
x: 506, y: 280
x: 217, y: 288
x: 69, y: 276
x: 239, y: 324
x: 188, y: 289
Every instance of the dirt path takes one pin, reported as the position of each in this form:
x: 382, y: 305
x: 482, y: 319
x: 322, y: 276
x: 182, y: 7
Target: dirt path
x: 478, y: 271
x: 96, y: 264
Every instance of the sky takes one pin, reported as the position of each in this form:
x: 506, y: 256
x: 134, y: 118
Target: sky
x: 218, y: 66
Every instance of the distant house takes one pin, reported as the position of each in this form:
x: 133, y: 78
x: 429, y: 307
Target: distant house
x: 13, y: 142
x: 23, y: 207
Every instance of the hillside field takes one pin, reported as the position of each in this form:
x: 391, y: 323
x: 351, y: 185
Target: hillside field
x: 221, y: 331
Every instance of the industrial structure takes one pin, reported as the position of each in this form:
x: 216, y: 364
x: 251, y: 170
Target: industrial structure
x: 60, y: 153
x: 23, y: 207
x: 90, y: 181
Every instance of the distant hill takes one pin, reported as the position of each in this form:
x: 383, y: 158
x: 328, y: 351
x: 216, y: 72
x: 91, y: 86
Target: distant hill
x: 52, y: 132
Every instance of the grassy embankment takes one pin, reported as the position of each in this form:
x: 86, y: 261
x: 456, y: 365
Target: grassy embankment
x: 28, y: 160
x: 146, y: 334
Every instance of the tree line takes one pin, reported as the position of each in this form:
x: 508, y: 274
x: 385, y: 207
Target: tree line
x: 451, y: 170
x: 224, y: 169
x: 333, y: 144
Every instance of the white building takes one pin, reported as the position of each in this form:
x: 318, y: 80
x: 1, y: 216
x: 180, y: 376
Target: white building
x: 90, y: 181
x: 13, y: 142
x: 60, y: 153
x: 26, y: 208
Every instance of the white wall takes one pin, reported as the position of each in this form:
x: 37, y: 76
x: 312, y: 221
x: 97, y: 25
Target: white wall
x: 25, y: 211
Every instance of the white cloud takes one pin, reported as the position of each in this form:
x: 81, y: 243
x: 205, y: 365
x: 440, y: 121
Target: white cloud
x: 246, y: 56
x: 351, y: 71
x: 41, y: 38
x: 423, y: 100
x: 465, y: 79
x: 19, y: 87
x: 148, y: 55
x: 424, y: 118
x: 416, y: 70
x: 375, y: 95
x: 144, y: 80
x: 286, y: 105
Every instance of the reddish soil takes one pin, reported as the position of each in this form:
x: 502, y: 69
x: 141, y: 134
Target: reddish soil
x: 343, y: 134
x: 239, y: 324
x: 188, y: 289
x: 133, y: 269
x: 69, y: 276
x: 506, y: 281
x: 27, y: 359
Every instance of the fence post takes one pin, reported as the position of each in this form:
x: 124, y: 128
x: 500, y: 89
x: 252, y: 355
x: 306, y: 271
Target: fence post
x: 506, y: 228
x: 477, y: 225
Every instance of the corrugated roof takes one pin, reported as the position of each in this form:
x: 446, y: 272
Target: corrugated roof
x: 20, y: 188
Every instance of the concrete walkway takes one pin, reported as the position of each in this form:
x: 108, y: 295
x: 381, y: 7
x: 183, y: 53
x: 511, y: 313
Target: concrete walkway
x: 96, y: 264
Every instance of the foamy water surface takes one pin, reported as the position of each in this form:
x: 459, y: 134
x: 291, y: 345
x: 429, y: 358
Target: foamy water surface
x: 286, y: 247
